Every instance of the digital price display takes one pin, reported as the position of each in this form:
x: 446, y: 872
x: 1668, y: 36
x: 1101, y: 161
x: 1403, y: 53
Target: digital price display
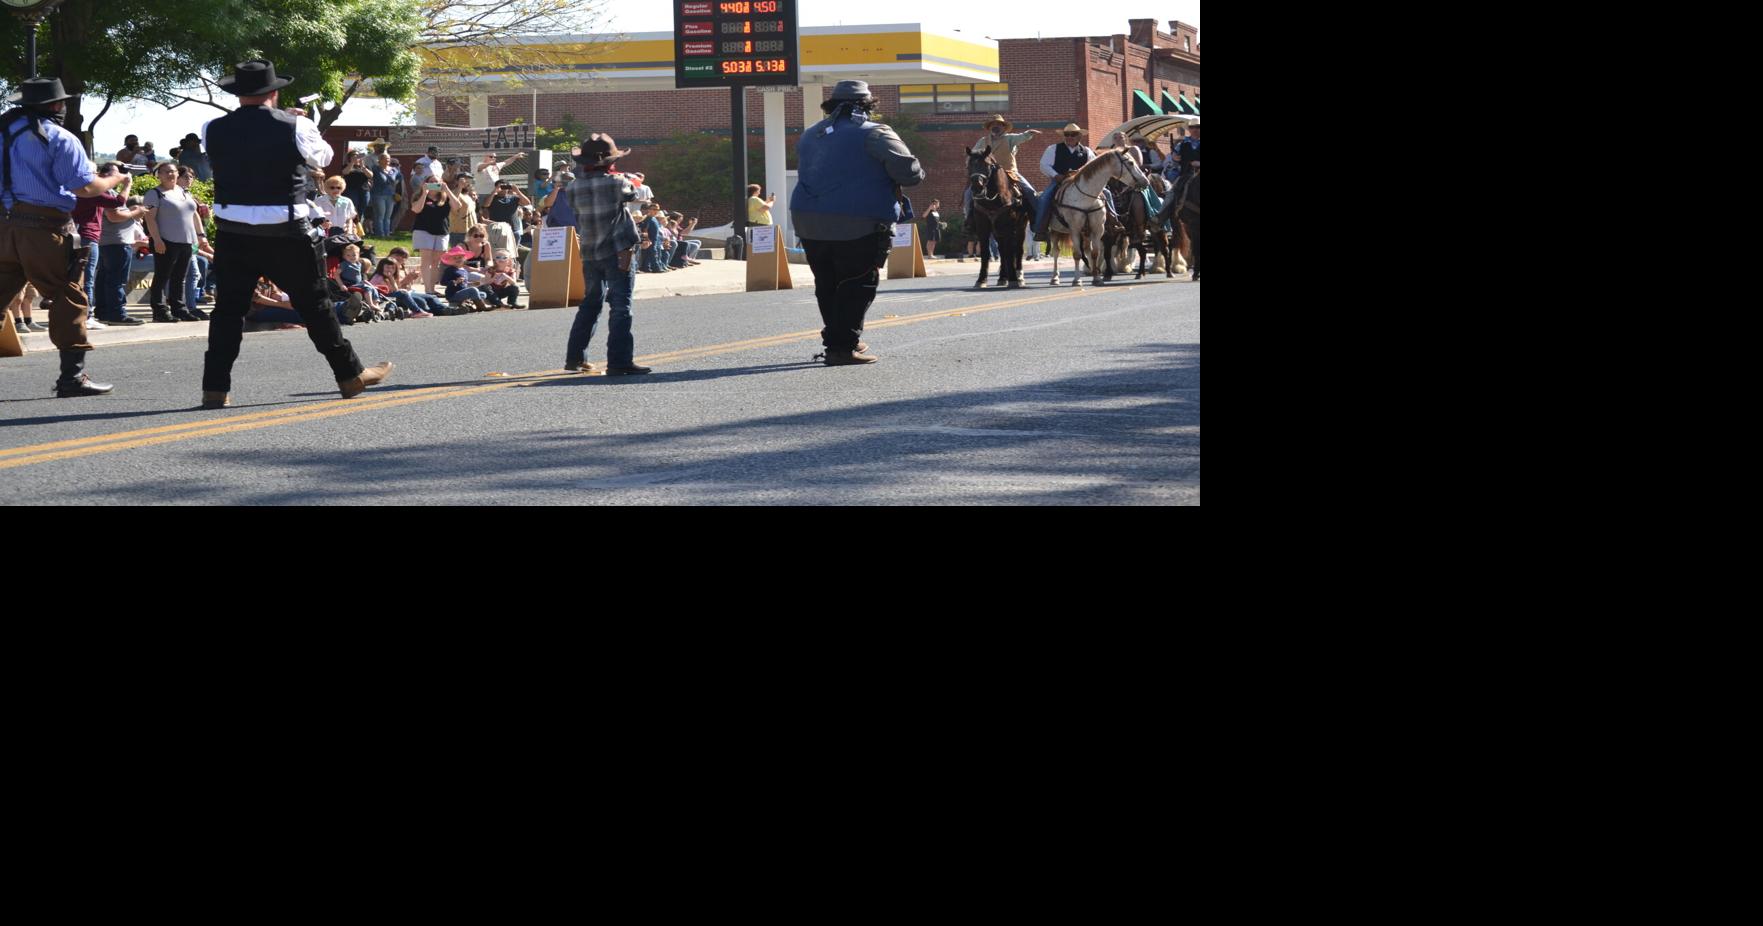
x: 736, y: 43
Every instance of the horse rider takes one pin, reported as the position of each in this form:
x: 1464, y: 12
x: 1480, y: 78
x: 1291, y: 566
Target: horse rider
x: 1058, y: 163
x: 1150, y: 156
x: 1004, y: 145
x: 1189, y: 150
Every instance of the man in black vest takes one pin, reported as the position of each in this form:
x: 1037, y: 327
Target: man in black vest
x: 1059, y: 162
x: 263, y: 160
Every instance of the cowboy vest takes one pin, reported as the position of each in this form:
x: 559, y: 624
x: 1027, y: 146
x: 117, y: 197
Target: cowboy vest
x: 256, y: 160
x: 1065, y: 161
x: 836, y: 175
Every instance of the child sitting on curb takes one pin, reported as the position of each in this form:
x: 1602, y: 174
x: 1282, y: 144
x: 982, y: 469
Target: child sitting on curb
x: 504, y: 281
x: 458, y: 286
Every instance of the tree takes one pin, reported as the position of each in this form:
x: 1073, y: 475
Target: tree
x: 466, y: 40
x: 173, y: 54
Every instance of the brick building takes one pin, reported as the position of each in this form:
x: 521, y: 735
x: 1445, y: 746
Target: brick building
x: 1097, y: 82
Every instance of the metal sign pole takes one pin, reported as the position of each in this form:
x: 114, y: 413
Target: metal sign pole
x: 738, y: 131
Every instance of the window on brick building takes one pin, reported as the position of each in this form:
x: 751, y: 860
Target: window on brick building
x: 1188, y: 42
x: 954, y: 98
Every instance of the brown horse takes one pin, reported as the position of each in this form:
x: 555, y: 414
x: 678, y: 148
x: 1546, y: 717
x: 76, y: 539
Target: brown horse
x: 1138, y: 230
x: 997, y: 210
x: 1185, y: 207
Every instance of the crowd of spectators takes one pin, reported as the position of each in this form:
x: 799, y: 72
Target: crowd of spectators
x: 472, y: 234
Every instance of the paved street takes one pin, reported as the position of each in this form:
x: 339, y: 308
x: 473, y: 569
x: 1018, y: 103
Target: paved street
x: 1032, y: 396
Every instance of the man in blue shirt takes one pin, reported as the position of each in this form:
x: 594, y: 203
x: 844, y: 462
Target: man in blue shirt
x: 44, y: 172
x: 844, y: 208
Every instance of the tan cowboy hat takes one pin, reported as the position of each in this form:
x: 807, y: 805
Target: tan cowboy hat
x: 997, y: 120
x: 1074, y: 127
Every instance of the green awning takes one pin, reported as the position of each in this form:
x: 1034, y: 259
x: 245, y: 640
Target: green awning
x: 1142, y: 105
x: 1172, y: 106
x: 1194, y: 107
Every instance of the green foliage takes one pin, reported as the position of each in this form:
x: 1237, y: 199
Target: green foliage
x: 203, y: 190
x: 167, y: 52
x: 562, y: 138
x: 907, y: 128
x: 693, y: 172
x: 954, y: 240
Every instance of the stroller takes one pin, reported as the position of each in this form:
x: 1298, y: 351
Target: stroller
x: 365, y: 304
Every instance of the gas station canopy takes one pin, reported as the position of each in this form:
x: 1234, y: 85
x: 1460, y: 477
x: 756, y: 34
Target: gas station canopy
x: 885, y: 55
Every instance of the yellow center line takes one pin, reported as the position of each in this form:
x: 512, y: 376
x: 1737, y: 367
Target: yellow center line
x: 148, y: 437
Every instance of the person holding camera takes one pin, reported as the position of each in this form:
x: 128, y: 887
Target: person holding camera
x: 844, y: 209
x: 505, y: 205
x: 263, y: 158
x: 45, y: 174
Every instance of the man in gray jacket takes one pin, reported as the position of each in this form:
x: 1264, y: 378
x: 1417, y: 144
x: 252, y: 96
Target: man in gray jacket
x: 844, y: 209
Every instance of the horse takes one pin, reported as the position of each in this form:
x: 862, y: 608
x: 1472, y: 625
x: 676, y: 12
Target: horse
x: 997, y: 210
x: 1079, y: 216
x: 1184, y: 207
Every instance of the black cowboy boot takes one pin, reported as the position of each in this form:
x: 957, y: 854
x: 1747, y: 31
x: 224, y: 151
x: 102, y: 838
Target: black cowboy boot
x: 74, y: 382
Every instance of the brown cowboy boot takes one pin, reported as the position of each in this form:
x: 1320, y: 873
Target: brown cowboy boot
x: 215, y: 400
x: 372, y: 376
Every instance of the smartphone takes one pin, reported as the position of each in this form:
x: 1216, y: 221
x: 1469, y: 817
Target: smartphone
x: 433, y: 187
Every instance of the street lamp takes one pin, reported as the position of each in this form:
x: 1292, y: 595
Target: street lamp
x: 33, y: 13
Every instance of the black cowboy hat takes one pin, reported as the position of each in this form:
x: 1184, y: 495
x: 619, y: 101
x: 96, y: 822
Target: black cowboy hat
x: 39, y: 91
x: 599, y: 150
x: 253, y: 78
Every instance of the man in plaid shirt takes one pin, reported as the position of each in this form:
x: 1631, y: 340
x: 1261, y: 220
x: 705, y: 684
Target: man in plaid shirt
x: 608, y: 237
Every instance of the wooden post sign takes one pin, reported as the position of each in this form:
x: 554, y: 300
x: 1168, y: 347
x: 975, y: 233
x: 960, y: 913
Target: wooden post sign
x: 557, y: 281
x: 768, y: 267
x: 906, y: 260
x: 11, y: 345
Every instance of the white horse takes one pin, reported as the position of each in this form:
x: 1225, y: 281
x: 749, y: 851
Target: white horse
x: 1078, y: 214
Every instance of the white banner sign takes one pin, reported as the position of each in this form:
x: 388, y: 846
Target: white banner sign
x: 553, y: 242
x: 764, y: 238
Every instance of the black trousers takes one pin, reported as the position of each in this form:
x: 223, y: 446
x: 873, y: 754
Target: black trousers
x: 169, y: 272
x: 295, y: 264
x: 846, y: 274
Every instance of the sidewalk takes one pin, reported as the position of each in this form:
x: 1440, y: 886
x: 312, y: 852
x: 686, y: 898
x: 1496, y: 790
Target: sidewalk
x: 712, y: 277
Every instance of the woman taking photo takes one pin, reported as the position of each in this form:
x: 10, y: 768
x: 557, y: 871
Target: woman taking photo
x: 431, y: 210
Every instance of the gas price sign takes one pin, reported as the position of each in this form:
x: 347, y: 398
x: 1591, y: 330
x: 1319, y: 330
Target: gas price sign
x: 735, y: 43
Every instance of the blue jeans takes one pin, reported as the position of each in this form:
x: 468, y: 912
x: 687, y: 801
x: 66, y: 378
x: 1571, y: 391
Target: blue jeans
x: 274, y: 315
x: 466, y: 293
x: 688, y: 250
x: 196, y: 281
x: 606, y: 283
x: 114, y: 261
x: 91, y: 246
x: 1041, y: 206
x: 419, y: 302
x: 383, y: 207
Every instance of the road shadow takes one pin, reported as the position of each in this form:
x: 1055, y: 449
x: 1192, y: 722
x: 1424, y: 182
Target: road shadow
x: 1127, y: 434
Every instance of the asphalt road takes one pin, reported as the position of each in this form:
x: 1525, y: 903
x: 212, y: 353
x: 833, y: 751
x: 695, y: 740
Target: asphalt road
x: 1032, y: 396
